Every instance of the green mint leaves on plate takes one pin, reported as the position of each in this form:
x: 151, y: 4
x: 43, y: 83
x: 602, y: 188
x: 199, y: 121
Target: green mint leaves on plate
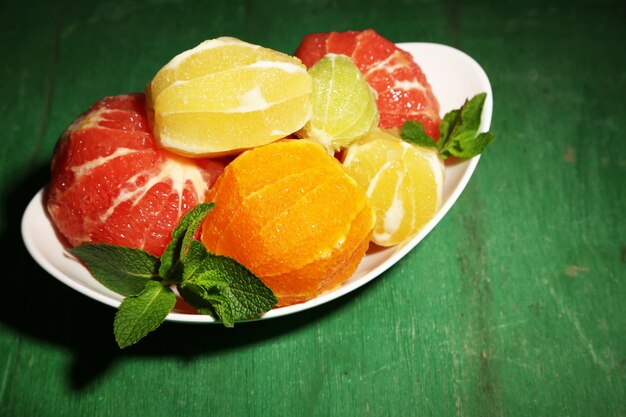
x: 458, y: 132
x: 215, y: 285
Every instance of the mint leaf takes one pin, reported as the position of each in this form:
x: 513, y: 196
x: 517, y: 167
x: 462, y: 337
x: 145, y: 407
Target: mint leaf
x: 208, y: 301
x: 181, y: 237
x: 413, y: 131
x: 469, y: 145
x: 470, y: 114
x: 195, y: 256
x: 459, y: 130
x: 120, y: 269
x: 139, y: 315
x: 222, y: 287
x: 449, y: 121
x: 224, y: 310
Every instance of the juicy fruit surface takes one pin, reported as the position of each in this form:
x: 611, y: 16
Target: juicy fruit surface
x: 344, y: 107
x: 289, y: 213
x: 404, y: 183
x: 226, y: 95
x: 111, y: 183
x: 403, y: 92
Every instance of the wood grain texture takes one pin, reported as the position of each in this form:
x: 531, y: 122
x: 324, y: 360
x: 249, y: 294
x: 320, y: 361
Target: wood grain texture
x: 512, y: 306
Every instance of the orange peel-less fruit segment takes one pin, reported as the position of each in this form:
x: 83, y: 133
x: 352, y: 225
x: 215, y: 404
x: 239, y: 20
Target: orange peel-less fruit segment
x: 290, y: 213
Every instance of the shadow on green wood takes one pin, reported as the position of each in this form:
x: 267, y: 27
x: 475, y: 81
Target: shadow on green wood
x: 42, y: 308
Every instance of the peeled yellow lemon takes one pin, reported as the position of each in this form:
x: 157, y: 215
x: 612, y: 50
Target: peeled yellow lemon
x: 403, y: 181
x: 226, y: 95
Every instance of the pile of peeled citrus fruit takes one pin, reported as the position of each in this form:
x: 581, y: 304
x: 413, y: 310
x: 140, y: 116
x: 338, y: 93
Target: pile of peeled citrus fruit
x: 300, y: 155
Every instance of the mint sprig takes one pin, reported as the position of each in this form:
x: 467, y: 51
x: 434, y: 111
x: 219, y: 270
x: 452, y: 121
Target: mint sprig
x: 215, y: 285
x: 458, y: 132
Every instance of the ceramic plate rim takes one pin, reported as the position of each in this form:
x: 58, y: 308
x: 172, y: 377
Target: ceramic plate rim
x: 35, y: 219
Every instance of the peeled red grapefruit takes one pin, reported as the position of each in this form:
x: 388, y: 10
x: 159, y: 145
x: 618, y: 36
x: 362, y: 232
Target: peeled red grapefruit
x: 111, y: 183
x: 403, y: 92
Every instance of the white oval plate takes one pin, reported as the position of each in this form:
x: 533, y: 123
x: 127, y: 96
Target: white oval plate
x: 454, y: 77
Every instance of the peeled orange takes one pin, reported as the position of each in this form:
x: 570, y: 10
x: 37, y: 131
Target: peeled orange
x: 290, y: 213
x: 226, y: 95
x: 403, y: 181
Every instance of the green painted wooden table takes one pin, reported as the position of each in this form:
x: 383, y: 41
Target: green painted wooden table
x: 513, y: 306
